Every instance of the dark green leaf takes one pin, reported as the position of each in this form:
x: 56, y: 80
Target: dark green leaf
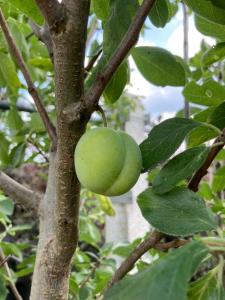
x: 121, y: 16
x: 29, y: 8
x: 17, y: 155
x: 160, y: 281
x: 117, y: 84
x: 178, y: 212
x: 217, y: 118
x: 209, y: 28
x: 178, y: 168
x: 204, y: 115
x: 4, y: 149
x: 159, y: 14
x: 164, y: 139
x: 211, y: 93
x: 159, y: 66
x: 207, y: 10
x: 218, y: 3
x: 214, y: 54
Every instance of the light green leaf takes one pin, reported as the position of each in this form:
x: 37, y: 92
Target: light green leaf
x: 89, y: 233
x: 8, y: 71
x: 13, y: 120
x: 159, y: 14
x: 206, y: 288
x: 29, y: 8
x: 214, y: 54
x: 3, y: 291
x: 160, y: 280
x: 7, y: 207
x: 209, y: 28
x: 41, y: 63
x: 210, y: 93
x: 159, y: 66
x: 117, y: 84
x: 201, y: 135
x: 178, y: 168
x: 178, y: 212
x: 164, y: 139
x: 218, y: 183
x: 207, y: 10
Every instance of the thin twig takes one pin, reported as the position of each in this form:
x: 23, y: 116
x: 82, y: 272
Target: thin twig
x: 11, y: 283
x: 5, y: 260
x: 121, y: 52
x: 32, y: 142
x: 101, y: 110
x: 31, y: 87
x: 129, y: 262
x: 92, y: 62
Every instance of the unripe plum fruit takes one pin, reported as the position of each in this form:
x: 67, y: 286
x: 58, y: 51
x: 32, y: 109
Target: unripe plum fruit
x: 107, y: 161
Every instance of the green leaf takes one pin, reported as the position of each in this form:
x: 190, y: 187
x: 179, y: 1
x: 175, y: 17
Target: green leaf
x: 101, y: 8
x: 88, y: 231
x: 205, y: 191
x: 201, y: 135
x: 3, y: 291
x: 178, y: 168
x: 164, y: 139
x: 210, y: 93
x: 218, y: 183
x: 214, y: 54
x: 209, y: 28
x: 217, y: 118
x: 207, y: 10
x: 117, y: 84
x: 41, y: 63
x: 159, y: 14
x: 8, y: 71
x: 165, y: 279
x: 7, y: 207
x: 4, y: 149
x: 178, y: 212
x: 121, y: 16
x: 159, y: 66
x: 206, y: 288
x: 204, y: 115
x: 17, y: 155
x: 36, y: 123
x: 13, y: 120
x: 218, y: 3
x: 29, y: 8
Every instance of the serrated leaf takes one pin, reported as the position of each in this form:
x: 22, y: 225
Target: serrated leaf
x: 115, y: 87
x: 207, y: 10
x: 159, y: 14
x: 209, y: 28
x: 164, y: 139
x: 214, y: 54
x: 210, y: 93
x: 160, y: 281
x: 8, y: 71
x: 178, y: 168
x: 159, y: 66
x: 178, y: 212
x: 29, y: 8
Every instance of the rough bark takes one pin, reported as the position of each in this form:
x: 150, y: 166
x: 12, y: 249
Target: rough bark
x: 60, y: 207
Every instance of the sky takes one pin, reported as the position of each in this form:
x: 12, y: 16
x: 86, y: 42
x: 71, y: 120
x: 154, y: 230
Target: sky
x: 165, y: 100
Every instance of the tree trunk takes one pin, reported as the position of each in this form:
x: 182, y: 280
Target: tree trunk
x: 59, y: 210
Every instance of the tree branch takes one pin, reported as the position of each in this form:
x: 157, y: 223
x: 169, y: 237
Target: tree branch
x: 121, y: 52
x: 3, y: 261
x: 92, y: 62
x: 31, y: 87
x: 54, y: 13
x: 43, y: 34
x: 19, y: 193
x: 129, y: 262
x: 195, y: 180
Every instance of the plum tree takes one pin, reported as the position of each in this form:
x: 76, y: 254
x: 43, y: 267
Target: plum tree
x: 107, y: 161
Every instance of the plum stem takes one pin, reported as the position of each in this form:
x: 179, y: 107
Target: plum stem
x: 102, y: 112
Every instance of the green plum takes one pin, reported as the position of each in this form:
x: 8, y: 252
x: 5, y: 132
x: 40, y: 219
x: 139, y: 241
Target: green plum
x: 107, y: 161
